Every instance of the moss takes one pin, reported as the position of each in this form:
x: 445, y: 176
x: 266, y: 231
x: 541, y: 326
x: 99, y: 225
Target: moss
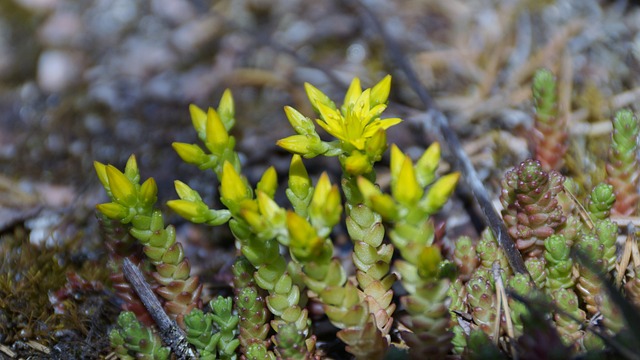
x: 33, y: 279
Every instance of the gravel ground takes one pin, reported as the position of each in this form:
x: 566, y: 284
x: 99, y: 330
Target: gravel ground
x: 102, y: 79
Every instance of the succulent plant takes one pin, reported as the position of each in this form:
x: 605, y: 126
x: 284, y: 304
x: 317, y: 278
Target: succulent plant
x: 622, y: 167
x: 559, y: 266
x: 551, y: 137
x: 530, y: 208
x: 471, y: 304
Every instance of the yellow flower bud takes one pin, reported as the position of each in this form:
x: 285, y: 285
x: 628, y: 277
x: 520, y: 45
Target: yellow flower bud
x: 123, y: 190
x: 199, y: 120
x: 406, y: 189
x: 270, y: 209
x: 367, y: 189
x: 323, y: 186
x: 440, y: 192
x: 296, y: 144
x: 113, y: 210
x: 428, y: 262
x: 357, y: 164
x: 269, y: 182
x: 376, y: 145
x: 255, y: 220
x: 326, y: 205
x: 397, y: 159
x: 217, y: 137
x: 185, y: 192
x: 131, y: 170
x: 301, y: 124
x: 189, y: 153
x: 384, y: 205
x: 148, y: 192
x: 226, y: 110
x: 187, y: 209
x: 101, y: 171
x: 304, y: 243
x: 232, y: 186
x: 299, y: 181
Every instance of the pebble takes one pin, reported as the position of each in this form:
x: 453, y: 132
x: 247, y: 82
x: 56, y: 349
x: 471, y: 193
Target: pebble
x: 63, y: 28
x: 58, y: 70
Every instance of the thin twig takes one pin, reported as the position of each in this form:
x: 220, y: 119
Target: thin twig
x: 584, y: 215
x: 10, y: 353
x: 170, y: 333
x: 462, y: 160
x: 498, y: 320
x: 631, y: 231
x: 502, y: 299
x: 38, y: 347
x: 624, y: 260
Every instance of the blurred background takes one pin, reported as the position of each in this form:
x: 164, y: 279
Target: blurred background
x: 103, y: 79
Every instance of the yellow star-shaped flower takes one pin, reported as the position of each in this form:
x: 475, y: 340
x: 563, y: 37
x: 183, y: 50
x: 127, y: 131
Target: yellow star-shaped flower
x: 359, y: 118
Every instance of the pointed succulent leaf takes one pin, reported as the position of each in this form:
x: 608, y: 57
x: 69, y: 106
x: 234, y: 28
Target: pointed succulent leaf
x: 326, y: 207
x: 101, y: 171
x: 305, y: 244
x: 131, y: 170
x: 376, y: 145
x: 380, y: 91
x: 113, y: 210
x: 269, y: 182
x: 317, y: 97
x: 299, y: 181
x: 233, y: 188
x: 199, y: 120
x: 428, y: 262
x: 428, y: 164
x: 148, y: 193
x: 296, y: 144
x: 440, y: 193
x: 188, y: 210
x: 406, y: 189
x: 300, y: 123
x: 397, y: 159
x: 217, y: 137
x: 226, y: 110
x: 357, y: 164
x: 185, y: 192
x: 368, y: 189
x: 123, y: 190
x: 352, y: 95
x: 190, y: 153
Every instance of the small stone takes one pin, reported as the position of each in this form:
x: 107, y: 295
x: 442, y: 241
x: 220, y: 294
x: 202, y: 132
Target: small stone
x: 58, y: 70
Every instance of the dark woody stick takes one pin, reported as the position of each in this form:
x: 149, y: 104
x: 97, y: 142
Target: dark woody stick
x: 170, y: 333
x: 462, y: 162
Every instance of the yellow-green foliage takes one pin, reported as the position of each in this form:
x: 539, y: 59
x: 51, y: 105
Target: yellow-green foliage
x: 362, y: 309
x: 287, y: 259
